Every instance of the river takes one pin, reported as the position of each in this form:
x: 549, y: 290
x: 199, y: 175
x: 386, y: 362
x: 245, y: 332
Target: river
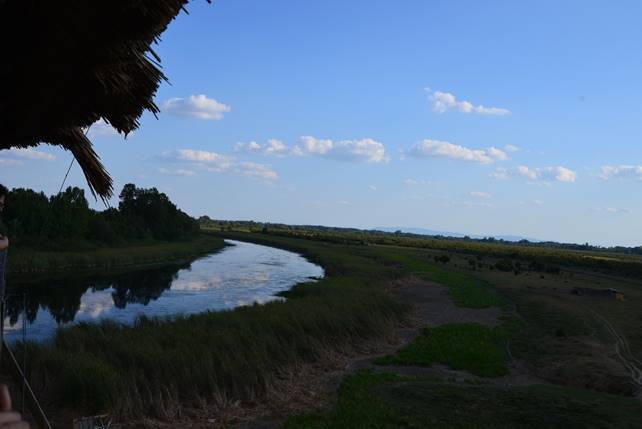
x: 240, y: 274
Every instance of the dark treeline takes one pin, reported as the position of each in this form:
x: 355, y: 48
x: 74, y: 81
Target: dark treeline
x: 32, y: 218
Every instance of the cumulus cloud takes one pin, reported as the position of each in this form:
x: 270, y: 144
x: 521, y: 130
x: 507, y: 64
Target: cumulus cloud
x: 214, y: 161
x: 365, y: 150
x: 445, y: 101
x: 272, y: 147
x: 101, y: 128
x: 497, y: 154
x: 372, y: 187
x: 217, y: 163
x: 436, y: 148
x: 177, y: 172
x: 196, y: 106
x: 251, y: 147
x: 511, y: 148
x: 275, y: 147
x: 546, y: 174
x: 622, y: 172
x: 479, y: 194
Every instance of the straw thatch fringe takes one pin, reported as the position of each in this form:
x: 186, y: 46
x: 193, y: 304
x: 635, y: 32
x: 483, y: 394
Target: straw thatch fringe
x: 70, y: 63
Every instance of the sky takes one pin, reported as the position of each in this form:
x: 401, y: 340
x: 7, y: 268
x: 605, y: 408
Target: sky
x: 485, y: 118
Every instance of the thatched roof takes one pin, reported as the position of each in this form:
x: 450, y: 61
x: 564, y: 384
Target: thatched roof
x: 66, y: 64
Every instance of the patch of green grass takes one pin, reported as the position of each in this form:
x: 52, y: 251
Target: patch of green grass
x: 371, y: 400
x: 466, y: 290
x: 462, y: 346
x: 358, y: 407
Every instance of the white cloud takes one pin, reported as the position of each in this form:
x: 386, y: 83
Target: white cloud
x: 511, y: 148
x: 622, y: 172
x: 275, y: 147
x: 196, y: 106
x: 252, y: 169
x: 546, y: 174
x: 537, y: 202
x: 613, y: 210
x: 214, y: 161
x: 479, y: 194
x: 436, y: 148
x: 252, y: 147
x: 177, y: 172
x: 344, y: 203
x: 365, y: 150
x: 372, y: 187
x: 444, y: 101
x: 217, y: 163
x: 497, y: 154
x: 30, y: 153
x: 101, y: 128
x: 272, y: 147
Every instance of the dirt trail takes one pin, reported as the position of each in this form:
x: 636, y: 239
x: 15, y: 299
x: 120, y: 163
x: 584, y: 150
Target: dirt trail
x: 623, y: 351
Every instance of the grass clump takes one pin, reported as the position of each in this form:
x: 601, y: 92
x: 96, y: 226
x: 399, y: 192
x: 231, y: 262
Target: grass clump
x: 462, y: 346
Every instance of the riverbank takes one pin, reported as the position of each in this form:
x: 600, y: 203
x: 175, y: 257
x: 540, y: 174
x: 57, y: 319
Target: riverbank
x: 163, y: 368
x: 34, y: 263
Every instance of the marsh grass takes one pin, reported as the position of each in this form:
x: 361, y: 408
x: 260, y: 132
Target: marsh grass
x: 152, y: 366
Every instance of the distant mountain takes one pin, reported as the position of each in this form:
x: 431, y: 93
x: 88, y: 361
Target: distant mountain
x: 424, y: 231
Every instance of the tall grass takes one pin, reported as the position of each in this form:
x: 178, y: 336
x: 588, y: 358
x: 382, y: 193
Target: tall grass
x: 148, y: 368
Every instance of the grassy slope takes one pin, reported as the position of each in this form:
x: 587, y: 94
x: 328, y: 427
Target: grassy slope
x: 28, y: 261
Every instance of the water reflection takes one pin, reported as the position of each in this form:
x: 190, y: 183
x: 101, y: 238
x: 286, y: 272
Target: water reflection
x: 239, y: 275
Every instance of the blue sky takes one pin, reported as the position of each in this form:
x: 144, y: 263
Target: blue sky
x: 493, y: 117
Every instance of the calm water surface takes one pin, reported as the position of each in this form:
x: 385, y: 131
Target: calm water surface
x: 241, y: 274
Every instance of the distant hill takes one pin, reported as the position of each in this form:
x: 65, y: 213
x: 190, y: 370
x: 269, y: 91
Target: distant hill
x: 424, y: 231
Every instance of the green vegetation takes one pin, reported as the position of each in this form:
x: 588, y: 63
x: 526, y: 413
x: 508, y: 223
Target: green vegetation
x: 172, y: 364
x: 465, y: 346
x: 61, y: 232
x: 370, y: 400
x: 65, y: 220
x: 24, y: 262
x: 532, y: 256
x: 145, y: 368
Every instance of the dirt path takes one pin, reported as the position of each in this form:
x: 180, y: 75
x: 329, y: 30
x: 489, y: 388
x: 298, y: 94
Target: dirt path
x: 313, y: 387
x: 623, y: 351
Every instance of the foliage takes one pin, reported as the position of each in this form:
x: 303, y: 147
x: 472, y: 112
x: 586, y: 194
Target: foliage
x: 65, y: 218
